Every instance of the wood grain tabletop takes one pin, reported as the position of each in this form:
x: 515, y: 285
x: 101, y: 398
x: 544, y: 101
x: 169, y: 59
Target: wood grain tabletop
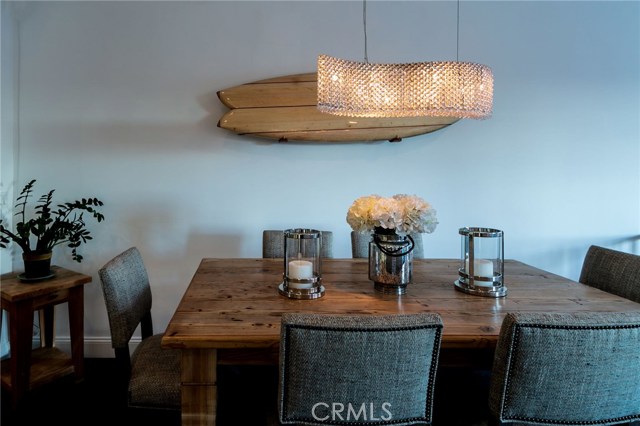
x: 234, y: 303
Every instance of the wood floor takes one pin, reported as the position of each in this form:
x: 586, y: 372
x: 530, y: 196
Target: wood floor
x: 247, y: 397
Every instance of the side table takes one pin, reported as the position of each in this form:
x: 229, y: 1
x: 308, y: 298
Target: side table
x: 29, y: 368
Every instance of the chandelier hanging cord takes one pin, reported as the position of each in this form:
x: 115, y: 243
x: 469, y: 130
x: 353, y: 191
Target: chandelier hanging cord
x: 364, y: 23
x: 458, y: 32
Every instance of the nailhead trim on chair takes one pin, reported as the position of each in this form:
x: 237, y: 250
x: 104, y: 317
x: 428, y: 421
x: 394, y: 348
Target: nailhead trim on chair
x: 516, y: 340
x: 435, y: 350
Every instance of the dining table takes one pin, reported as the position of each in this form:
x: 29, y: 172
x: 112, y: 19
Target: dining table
x: 231, y: 313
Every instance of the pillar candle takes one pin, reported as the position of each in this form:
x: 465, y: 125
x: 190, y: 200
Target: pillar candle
x: 300, y: 270
x: 481, y: 268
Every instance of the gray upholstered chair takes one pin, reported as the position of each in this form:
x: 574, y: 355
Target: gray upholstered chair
x: 358, y: 369
x: 273, y: 243
x: 150, y: 376
x: 612, y: 271
x: 578, y: 368
x: 360, y: 245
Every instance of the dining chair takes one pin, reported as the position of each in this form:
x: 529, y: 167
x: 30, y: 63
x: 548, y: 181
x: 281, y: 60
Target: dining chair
x: 150, y: 375
x: 612, y: 271
x: 355, y: 369
x: 360, y: 245
x: 273, y: 243
x: 579, y: 368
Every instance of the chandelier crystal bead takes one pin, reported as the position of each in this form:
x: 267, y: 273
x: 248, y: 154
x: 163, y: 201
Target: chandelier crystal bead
x: 440, y: 89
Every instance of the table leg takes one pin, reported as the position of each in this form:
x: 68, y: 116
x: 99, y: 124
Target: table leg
x: 20, y: 340
x: 199, y: 387
x: 76, y: 329
x: 47, y: 320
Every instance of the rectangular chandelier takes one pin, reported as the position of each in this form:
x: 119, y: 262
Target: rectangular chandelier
x: 443, y: 89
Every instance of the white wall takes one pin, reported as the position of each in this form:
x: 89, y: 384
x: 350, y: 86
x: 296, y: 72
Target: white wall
x: 8, y: 140
x: 8, y: 136
x: 118, y: 100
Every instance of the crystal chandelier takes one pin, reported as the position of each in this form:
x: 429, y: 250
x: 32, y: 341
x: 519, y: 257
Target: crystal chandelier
x: 441, y: 89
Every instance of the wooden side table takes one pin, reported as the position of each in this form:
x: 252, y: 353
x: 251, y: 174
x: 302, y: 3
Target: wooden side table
x: 27, y: 369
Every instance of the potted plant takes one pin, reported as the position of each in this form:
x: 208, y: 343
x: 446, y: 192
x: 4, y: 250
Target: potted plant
x: 48, y: 228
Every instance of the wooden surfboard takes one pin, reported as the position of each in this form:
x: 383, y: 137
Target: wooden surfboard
x: 284, y: 108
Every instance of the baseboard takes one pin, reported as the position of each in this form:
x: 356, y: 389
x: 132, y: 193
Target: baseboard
x: 96, y: 347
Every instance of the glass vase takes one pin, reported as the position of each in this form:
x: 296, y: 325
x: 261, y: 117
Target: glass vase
x: 390, y: 261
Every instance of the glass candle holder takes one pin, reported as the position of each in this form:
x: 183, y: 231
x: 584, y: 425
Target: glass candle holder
x: 302, y: 277
x: 481, y: 270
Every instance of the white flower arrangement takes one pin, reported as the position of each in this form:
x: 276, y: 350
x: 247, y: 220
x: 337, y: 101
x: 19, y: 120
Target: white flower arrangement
x: 401, y: 213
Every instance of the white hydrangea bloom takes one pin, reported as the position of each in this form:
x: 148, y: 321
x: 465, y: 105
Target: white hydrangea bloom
x: 402, y: 213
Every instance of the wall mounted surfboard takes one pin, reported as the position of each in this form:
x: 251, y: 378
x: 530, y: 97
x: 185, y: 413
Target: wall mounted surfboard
x: 284, y: 108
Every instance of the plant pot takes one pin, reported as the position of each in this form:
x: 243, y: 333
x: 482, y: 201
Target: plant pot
x: 37, y: 265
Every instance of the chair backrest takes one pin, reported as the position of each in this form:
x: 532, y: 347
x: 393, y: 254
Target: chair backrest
x: 150, y: 377
x: 612, y: 271
x: 358, y: 369
x: 360, y: 245
x: 567, y: 368
x: 273, y: 243
x: 127, y: 295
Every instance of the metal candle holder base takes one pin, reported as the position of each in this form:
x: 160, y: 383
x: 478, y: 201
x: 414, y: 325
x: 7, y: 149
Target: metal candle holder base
x: 300, y: 293
x: 491, y: 291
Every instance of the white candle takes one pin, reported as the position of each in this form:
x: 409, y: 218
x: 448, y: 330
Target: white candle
x: 300, y: 270
x: 481, y: 268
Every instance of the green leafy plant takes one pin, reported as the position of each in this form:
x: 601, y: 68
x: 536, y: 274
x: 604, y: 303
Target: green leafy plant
x: 50, y: 226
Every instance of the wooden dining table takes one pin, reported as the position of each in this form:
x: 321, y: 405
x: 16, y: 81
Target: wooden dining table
x: 231, y: 312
